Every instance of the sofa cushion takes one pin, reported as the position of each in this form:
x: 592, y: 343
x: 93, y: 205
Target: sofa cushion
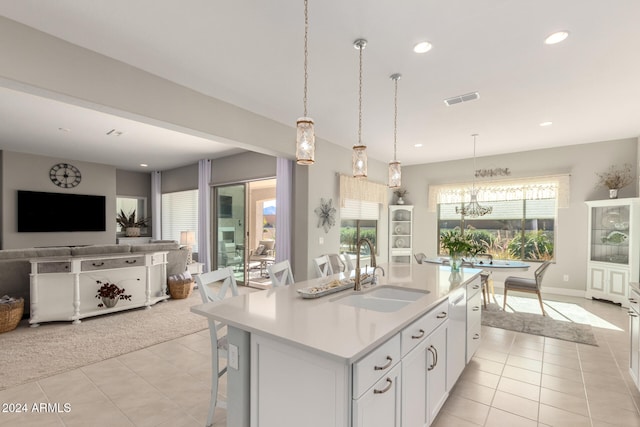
x: 150, y: 247
x: 18, y: 253
x: 47, y: 252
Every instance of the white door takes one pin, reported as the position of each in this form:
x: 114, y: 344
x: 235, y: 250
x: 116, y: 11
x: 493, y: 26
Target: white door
x: 597, y: 279
x: 618, y: 284
x: 634, y: 336
x: 414, y: 387
x: 437, y: 370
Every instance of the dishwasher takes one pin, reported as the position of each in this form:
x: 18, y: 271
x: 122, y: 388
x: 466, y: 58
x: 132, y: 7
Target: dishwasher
x: 457, y: 339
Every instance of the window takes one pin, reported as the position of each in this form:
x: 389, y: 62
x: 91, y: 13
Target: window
x: 524, y: 218
x: 129, y: 204
x: 354, y: 214
x: 180, y: 213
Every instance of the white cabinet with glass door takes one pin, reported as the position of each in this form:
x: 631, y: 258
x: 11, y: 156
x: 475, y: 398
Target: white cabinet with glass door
x: 613, y: 248
x: 400, y: 233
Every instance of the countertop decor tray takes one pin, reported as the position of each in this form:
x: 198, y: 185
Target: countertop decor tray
x: 330, y: 287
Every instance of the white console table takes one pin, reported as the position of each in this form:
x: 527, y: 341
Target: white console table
x: 65, y: 288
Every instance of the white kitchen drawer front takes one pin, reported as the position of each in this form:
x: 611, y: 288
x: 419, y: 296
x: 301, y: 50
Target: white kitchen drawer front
x: 415, y: 333
x: 381, y: 404
x: 473, y: 340
x: 375, y: 365
x: 474, y: 309
x: 109, y: 263
x: 473, y: 287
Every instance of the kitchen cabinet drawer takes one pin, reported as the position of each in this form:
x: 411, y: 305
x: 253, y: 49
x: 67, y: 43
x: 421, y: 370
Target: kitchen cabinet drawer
x: 473, y: 287
x: 54, y: 267
x: 415, y: 333
x: 376, y: 364
x: 380, y: 406
x: 109, y: 263
x: 473, y: 339
x: 474, y: 309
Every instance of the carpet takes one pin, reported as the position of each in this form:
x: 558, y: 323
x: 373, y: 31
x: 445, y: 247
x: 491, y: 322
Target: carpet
x: 537, y: 324
x: 28, y: 354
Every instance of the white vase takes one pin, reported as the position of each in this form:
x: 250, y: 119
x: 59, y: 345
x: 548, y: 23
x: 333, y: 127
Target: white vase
x: 613, y: 193
x: 400, y: 201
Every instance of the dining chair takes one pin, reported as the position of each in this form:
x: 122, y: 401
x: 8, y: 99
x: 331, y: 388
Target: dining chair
x: 348, y: 262
x: 323, y: 266
x: 526, y: 284
x: 280, y: 273
x: 214, y: 286
x: 419, y: 257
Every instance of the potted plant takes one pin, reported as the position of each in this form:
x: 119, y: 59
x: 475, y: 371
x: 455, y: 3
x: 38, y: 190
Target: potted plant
x: 130, y: 224
x: 616, y: 178
x: 400, y: 193
x: 110, y: 293
x: 457, y: 244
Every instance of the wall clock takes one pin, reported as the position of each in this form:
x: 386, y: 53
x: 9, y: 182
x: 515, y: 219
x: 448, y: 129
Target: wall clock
x: 65, y: 175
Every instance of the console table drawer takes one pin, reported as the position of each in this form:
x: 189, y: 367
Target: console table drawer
x: 54, y: 267
x: 108, y: 263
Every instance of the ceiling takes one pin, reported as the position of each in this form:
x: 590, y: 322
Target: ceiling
x: 250, y: 53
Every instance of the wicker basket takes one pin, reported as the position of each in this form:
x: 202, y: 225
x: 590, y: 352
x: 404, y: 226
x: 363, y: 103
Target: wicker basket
x: 180, y: 289
x: 10, y: 315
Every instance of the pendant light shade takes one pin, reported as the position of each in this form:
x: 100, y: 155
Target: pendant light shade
x: 474, y: 209
x: 305, y: 136
x: 395, y: 171
x: 360, y: 150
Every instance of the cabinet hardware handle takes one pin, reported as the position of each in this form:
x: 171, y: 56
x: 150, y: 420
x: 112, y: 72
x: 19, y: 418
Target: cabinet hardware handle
x: 433, y: 365
x: 382, y: 368
x: 435, y: 350
x: 384, y: 390
x: 417, y: 337
x: 97, y: 264
x: 441, y: 315
x: 476, y: 286
x: 131, y: 261
x: 632, y: 314
x: 476, y: 336
x: 476, y: 308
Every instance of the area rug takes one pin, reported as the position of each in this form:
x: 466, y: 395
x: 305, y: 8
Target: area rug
x: 537, y: 324
x: 28, y: 354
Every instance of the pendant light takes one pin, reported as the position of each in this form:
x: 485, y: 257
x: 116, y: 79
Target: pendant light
x: 473, y: 209
x: 305, y: 136
x: 395, y: 173
x: 360, y: 150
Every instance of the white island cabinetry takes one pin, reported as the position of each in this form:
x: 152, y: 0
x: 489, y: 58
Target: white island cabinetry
x: 320, y: 362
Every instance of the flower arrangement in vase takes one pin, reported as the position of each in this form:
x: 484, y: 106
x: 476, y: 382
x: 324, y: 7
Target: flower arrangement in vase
x: 616, y: 178
x: 110, y: 293
x: 458, y: 245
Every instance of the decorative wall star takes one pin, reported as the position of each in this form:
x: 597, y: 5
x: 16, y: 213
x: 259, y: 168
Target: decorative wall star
x: 326, y: 215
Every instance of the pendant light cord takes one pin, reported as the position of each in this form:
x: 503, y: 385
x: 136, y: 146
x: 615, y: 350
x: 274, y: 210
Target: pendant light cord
x: 360, y: 100
x: 306, y: 40
x: 395, y: 119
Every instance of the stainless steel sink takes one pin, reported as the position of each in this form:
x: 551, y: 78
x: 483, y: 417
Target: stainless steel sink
x: 386, y: 299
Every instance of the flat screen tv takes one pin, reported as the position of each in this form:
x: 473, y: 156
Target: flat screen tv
x: 40, y: 212
x: 225, y: 207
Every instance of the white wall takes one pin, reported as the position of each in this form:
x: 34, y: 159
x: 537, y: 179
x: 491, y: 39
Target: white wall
x: 581, y: 161
x: 30, y: 172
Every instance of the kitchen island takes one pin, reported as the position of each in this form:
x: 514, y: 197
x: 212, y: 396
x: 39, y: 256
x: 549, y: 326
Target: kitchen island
x: 332, y: 362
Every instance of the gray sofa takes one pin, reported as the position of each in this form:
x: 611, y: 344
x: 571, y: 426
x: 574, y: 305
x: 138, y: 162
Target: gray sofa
x: 15, y: 266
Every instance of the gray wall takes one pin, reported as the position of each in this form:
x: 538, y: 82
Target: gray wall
x: 30, y: 172
x: 581, y: 161
x: 180, y: 179
x: 242, y: 167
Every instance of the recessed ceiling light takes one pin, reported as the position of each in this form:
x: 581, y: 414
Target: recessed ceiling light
x: 417, y: 145
x: 144, y: 165
x: 546, y: 123
x: 422, y: 47
x: 556, y: 37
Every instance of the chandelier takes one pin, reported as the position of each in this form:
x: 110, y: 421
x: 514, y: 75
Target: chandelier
x: 360, y: 150
x: 395, y: 173
x: 473, y: 209
x: 305, y: 137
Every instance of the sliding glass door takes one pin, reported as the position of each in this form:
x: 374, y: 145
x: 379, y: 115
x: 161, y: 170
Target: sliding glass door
x: 230, y: 229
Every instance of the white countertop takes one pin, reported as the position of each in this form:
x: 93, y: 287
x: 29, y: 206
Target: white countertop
x: 335, y: 330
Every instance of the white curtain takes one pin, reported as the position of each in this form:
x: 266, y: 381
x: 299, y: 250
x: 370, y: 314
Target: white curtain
x: 284, y: 201
x: 156, y: 204
x: 204, y: 214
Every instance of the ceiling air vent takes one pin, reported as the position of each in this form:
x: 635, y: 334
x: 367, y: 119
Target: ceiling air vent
x: 462, y: 98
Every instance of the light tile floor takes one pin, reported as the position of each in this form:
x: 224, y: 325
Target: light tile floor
x: 514, y: 380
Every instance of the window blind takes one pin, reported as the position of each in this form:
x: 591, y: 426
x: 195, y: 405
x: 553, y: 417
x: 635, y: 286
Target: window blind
x: 179, y: 213
x: 360, y: 209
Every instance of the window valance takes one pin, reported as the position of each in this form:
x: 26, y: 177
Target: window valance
x: 362, y: 189
x: 533, y: 188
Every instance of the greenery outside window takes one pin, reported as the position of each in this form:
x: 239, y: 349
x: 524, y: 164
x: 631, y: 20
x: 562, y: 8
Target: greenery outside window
x: 358, y: 216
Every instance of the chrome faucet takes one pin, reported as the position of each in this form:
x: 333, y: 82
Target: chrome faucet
x: 374, y: 279
x: 358, y: 285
